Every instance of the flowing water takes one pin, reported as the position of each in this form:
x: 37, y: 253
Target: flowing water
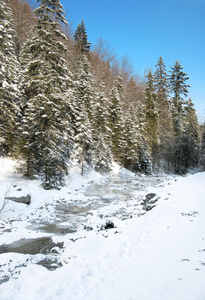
x: 68, y: 216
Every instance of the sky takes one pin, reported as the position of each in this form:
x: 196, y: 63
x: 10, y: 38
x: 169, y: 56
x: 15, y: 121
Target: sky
x: 143, y: 30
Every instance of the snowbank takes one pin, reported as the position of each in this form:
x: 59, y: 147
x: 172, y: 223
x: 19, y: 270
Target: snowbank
x: 157, y: 256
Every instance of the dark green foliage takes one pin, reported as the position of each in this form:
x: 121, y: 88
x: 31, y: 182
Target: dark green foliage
x: 48, y: 11
x: 83, y: 139
x: 83, y: 97
x: 144, y: 157
x: 129, y: 155
x: 101, y: 133
x: 178, y: 85
x: 46, y: 81
x: 151, y: 116
x: 165, y: 126
x: 192, y: 130
x: 116, y: 118
x: 81, y: 39
x: 185, y: 144
x: 185, y: 123
x: 182, y: 148
x: 66, y: 115
x: 161, y: 83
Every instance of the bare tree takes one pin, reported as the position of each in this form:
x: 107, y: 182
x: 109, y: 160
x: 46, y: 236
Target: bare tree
x: 24, y: 21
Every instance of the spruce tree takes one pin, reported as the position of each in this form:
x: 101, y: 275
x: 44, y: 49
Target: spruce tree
x: 165, y: 127
x: 161, y: 82
x: 192, y: 131
x: 81, y: 40
x: 151, y: 111
x: 144, y: 156
x: 178, y: 85
x: 130, y: 153
x: 47, y: 80
x: 102, y: 155
x: 84, y: 84
x: 9, y: 81
x: 101, y: 132
x: 116, y: 118
x: 82, y: 121
x: 178, y: 88
x: 181, y: 140
x: 83, y: 139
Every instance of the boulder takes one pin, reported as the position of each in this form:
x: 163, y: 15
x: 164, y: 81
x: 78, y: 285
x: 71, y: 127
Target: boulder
x: 23, y: 199
x: 17, y: 194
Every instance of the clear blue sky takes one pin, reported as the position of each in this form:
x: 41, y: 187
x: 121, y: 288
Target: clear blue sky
x: 145, y: 29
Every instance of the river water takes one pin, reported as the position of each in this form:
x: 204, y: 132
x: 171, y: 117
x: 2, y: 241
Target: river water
x: 69, y: 217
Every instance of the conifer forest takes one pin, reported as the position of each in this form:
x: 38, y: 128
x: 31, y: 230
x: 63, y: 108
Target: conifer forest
x: 63, y: 99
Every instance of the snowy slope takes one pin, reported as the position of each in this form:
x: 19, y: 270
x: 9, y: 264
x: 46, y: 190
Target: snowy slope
x: 157, y: 256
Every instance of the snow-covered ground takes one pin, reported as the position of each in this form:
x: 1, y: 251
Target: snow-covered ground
x: 119, y: 236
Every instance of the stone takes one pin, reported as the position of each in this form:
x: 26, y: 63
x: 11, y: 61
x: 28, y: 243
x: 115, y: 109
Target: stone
x: 23, y: 199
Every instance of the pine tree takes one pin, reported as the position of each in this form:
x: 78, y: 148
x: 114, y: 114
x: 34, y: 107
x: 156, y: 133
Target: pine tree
x: 81, y: 39
x: 84, y: 84
x: 101, y: 132
x: 47, y: 80
x: 144, y: 156
x: 130, y: 153
x: 178, y: 85
x: 192, y: 131
x: 151, y: 117
x: 116, y: 118
x: 181, y: 141
x: 101, y: 114
x: 83, y: 93
x: 102, y: 155
x: 83, y: 140
x: 9, y: 81
x: 161, y: 85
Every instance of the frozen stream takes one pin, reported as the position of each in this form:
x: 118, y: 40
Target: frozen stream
x: 69, y: 216
x: 105, y: 199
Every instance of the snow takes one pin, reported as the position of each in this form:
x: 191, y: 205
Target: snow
x: 157, y: 254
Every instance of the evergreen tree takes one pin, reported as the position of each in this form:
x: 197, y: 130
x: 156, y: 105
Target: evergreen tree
x: 101, y: 133
x: 151, y: 117
x: 81, y: 39
x: 130, y: 153
x: 84, y: 85
x: 9, y: 81
x: 178, y: 85
x: 161, y: 83
x: 192, y: 131
x: 102, y: 155
x: 164, y: 112
x: 181, y: 143
x: 181, y: 153
x: 116, y: 118
x: 47, y: 80
x: 83, y: 113
x: 144, y: 157
x: 101, y: 114
x: 83, y: 139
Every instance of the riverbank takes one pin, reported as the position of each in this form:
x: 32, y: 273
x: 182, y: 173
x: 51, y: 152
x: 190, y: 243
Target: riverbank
x: 119, y: 236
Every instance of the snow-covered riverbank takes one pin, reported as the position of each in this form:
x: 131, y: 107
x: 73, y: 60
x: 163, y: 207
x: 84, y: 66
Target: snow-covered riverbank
x: 155, y: 250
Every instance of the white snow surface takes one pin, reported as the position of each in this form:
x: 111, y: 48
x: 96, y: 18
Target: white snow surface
x: 157, y: 254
